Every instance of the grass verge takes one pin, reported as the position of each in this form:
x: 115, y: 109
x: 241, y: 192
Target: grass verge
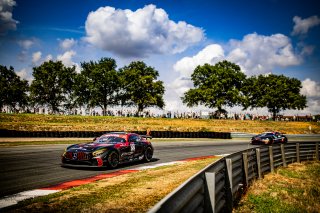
x: 292, y: 189
x: 34, y: 122
x: 134, y: 192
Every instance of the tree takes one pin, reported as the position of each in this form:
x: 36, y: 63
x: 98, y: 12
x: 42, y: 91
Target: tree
x: 52, y: 84
x: 140, y: 86
x: 98, y: 84
x: 13, y: 90
x: 216, y: 86
x: 276, y: 92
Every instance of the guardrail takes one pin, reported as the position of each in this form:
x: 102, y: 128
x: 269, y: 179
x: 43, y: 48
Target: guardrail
x: 220, y: 185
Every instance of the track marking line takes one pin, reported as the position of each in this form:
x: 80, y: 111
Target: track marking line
x: 15, y: 198
x: 74, y: 183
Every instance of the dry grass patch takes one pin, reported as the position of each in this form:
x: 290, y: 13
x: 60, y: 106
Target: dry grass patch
x: 134, y: 192
x: 292, y: 189
x: 34, y: 122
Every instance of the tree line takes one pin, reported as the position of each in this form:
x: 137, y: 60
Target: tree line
x: 101, y: 84
x: 98, y: 84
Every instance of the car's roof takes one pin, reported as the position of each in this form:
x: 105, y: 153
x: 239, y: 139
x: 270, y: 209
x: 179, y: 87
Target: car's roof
x: 118, y: 133
x: 270, y: 132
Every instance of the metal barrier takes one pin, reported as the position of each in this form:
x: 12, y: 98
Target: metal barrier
x: 93, y: 134
x: 220, y: 185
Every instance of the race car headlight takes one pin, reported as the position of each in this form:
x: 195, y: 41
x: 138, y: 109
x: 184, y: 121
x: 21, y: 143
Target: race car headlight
x: 98, y: 152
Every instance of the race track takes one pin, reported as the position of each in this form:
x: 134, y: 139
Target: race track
x: 31, y: 167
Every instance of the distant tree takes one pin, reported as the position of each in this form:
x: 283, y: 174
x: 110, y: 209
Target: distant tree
x: 276, y: 92
x: 140, y: 86
x: 81, y: 90
x: 13, y: 90
x: 52, y: 84
x: 98, y: 84
x: 216, y: 86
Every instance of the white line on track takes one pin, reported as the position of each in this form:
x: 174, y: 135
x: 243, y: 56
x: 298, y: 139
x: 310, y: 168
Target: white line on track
x: 15, y: 198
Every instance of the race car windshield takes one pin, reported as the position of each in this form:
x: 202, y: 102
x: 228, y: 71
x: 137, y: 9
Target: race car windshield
x: 110, y: 139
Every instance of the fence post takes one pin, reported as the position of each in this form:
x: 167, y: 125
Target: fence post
x: 258, y: 154
x: 271, y: 159
x: 229, y: 196
x: 245, y: 167
x: 298, y: 152
x: 317, y: 151
x: 283, y: 155
x: 211, y: 186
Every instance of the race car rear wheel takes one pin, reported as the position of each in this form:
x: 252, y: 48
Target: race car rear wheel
x: 148, y: 154
x: 113, y: 159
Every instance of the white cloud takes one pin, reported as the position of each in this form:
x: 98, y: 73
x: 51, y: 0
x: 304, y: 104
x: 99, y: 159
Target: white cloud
x: 6, y: 21
x: 36, y: 56
x: 22, y: 55
x: 302, y: 26
x: 26, y: 44
x: 48, y: 57
x: 67, y: 44
x: 259, y: 54
x: 66, y: 59
x: 310, y: 88
x: 256, y: 54
x: 23, y: 73
x: 139, y: 33
x: 306, y: 49
x: 211, y: 54
x: 26, y: 74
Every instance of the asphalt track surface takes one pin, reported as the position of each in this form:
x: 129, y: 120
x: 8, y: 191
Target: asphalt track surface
x: 36, y: 166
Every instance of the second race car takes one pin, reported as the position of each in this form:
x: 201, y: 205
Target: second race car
x: 110, y: 150
x: 269, y: 138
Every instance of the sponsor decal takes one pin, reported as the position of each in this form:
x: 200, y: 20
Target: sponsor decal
x: 133, y: 147
x: 74, y: 156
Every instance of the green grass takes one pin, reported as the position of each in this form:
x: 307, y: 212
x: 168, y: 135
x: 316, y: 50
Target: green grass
x: 35, y: 122
x: 292, y: 189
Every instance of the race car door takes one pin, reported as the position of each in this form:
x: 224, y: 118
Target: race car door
x: 135, y: 144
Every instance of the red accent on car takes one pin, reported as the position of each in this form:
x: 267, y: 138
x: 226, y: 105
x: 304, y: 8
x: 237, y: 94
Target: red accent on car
x: 117, y: 146
x: 100, y: 162
x: 68, y: 155
x: 82, y: 156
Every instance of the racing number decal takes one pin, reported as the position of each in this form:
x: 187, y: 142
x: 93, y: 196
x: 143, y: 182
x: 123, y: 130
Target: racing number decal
x: 133, y: 147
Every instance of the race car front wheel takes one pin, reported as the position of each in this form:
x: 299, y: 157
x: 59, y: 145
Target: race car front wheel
x: 113, y: 159
x: 148, y: 154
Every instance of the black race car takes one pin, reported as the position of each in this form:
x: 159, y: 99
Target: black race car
x: 110, y: 150
x: 269, y: 138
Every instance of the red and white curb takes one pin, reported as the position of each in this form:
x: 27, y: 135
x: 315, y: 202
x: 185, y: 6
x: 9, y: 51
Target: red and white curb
x: 15, y: 198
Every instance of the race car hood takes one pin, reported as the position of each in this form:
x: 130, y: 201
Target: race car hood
x: 91, y: 147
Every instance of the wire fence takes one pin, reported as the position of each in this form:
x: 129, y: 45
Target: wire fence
x: 219, y: 186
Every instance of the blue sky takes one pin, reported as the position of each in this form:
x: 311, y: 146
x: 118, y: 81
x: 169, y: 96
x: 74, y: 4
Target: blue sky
x: 262, y: 36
